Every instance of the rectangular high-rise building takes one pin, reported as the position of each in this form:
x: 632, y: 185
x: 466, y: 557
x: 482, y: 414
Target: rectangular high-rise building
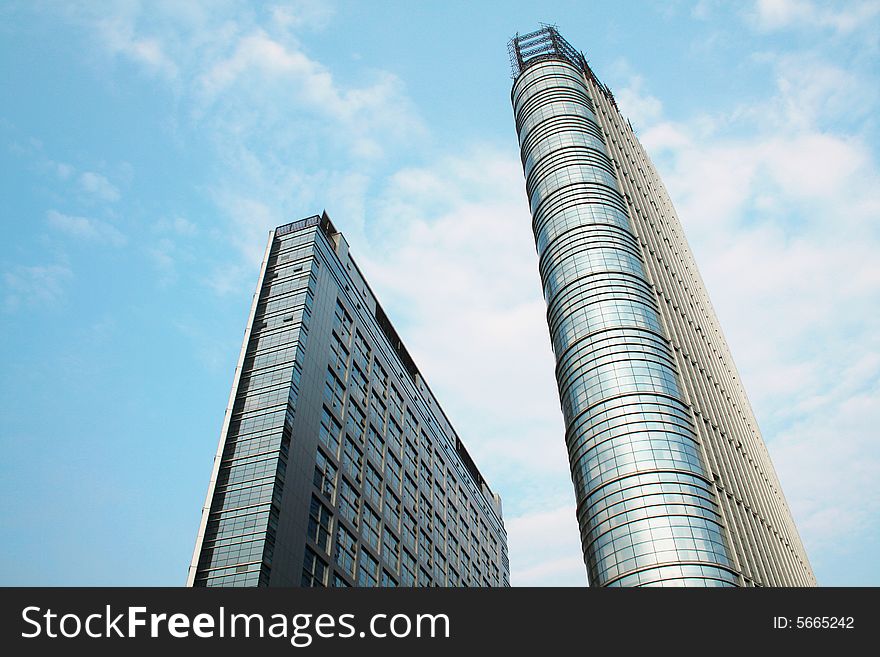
x: 336, y: 465
x: 673, y: 482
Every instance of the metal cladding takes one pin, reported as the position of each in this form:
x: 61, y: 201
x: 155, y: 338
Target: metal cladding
x: 648, y: 503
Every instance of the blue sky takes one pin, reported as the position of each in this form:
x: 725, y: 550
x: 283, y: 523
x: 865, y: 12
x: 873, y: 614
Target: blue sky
x: 147, y: 149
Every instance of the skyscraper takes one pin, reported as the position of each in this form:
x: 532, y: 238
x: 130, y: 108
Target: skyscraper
x: 336, y: 465
x: 673, y: 482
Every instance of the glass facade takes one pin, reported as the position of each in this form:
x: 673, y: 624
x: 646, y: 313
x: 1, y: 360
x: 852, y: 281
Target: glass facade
x: 336, y: 465
x: 650, y: 505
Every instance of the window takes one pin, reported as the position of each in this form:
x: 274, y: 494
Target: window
x: 314, y: 569
x: 375, y: 444
x: 395, y: 404
x: 409, y: 490
x: 325, y: 476
x: 452, y: 519
x: 329, y: 431
x: 392, y: 472
x: 426, y: 519
x: 395, y: 435
x: 352, y: 459
x: 373, y: 485
x: 319, y: 524
x: 451, y: 489
x: 377, y: 412
x: 344, y: 550
x: 439, y: 567
x: 349, y: 502
x: 425, y: 449
x: 387, y: 580
x: 392, y: 509
x: 410, y: 457
x: 465, y: 568
x: 439, y: 470
x: 439, y: 533
x: 358, y: 381
x: 380, y: 378
x: 371, y: 527
x: 339, y: 582
x: 368, y: 570
x: 342, y: 323
x: 354, y: 421
x: 424, y: 547
x: 334, y: 392
x: 338, y: 357
x: 412, y: 425
x: 439, y: 501
x: 361, y: 351
x: 390, y: 548
x: 452, y: 552
x: 407, y: 568
x: 425, y: 477
x: 409, y: 530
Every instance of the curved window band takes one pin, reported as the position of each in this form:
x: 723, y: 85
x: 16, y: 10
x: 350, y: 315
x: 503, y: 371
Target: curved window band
x: 627, y: 426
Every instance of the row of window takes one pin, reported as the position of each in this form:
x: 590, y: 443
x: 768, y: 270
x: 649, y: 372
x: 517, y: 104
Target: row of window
x: 392, y: 421
x: 378, y: 515
x: 243, y: 520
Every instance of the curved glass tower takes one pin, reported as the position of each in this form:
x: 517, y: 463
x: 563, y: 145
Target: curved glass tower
x: 657, y: 496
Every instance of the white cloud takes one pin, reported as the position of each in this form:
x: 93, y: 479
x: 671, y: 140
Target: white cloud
x: 98, y: 186
x: 830, y: 461
x: 39, y: 285
x: 251, y: 221
x: 180, y: 226
x: 118, y: 33
x: 843, y: 17
x: 64, y: 171
x: 810, y: 92
x: 302, y: 13
x: 268, y: 108
x: 162, y: 254
x: 269, y: 73
x: 464, y: 243
x: 184, y: 227
x: 641, y: 108
x: 229, y: 278
x: 85, y: 228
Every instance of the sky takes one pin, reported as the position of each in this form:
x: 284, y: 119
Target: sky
x: 147, y: 148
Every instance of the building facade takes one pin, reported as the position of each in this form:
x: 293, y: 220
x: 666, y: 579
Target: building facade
x: 336, y: 465
x: 673, y: 482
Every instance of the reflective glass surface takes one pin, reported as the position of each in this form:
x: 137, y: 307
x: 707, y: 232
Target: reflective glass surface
x: 646, y: 509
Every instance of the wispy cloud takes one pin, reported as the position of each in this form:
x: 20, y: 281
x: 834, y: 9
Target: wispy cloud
x: 93, y: 230
x: 843, y: 17
x: 35, y: 286
x: 162, y: 254
x: 98, y: 186
x: 269, y: 82
x: 118, y: 34
x: 254, y: 91
x: 180, y: 226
